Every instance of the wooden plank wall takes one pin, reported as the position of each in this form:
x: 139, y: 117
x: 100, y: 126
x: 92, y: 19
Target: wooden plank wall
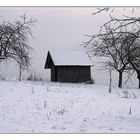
x: 73, y: 73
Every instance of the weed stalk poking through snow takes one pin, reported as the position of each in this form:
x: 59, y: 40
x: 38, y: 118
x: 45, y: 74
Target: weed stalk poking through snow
x: 130, y: 111
x: 32, y: 90
x: 49, y: 115
x: 45, y: 104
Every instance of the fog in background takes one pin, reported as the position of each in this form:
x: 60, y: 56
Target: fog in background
x: 58, y: 29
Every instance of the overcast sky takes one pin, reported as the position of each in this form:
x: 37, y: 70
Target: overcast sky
x: 58, y: 28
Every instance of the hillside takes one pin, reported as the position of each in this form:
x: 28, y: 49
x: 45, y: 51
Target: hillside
x: 36, y: 107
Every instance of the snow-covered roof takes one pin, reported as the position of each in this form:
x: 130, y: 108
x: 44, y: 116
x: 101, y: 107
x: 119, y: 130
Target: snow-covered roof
x: 71, y: 58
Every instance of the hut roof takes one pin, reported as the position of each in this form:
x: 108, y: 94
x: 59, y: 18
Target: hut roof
x: 71, y: 58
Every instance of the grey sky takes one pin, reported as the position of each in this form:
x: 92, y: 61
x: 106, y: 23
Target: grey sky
x: 58, y: 28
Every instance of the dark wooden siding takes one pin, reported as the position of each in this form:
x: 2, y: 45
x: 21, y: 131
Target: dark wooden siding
x: 72, y: 73
x: 54, y: 73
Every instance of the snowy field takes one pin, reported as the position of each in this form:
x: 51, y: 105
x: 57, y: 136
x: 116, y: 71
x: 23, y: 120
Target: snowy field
x: 36, y: 107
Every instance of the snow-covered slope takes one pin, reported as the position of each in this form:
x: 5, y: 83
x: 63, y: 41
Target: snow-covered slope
x: 35, y: 107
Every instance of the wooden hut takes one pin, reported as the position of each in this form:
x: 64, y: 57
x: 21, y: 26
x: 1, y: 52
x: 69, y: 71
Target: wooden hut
x: 68, y: 66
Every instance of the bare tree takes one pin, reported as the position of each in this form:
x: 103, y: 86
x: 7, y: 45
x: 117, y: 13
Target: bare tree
x: 111, y: 44
x: 14, y: 41
x: 118, y: 39
x: 131, y: 41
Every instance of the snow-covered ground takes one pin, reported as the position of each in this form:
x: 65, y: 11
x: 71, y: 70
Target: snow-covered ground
x: 36, y: 107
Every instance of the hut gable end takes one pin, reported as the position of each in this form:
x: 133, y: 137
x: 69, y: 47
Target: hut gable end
x: 49, y: 61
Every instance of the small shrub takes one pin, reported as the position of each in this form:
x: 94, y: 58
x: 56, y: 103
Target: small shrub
x: 125, y: 94
x: 2, y: 78
x: 30, y: 77
x: 34, y: 77
x: 61, y: 110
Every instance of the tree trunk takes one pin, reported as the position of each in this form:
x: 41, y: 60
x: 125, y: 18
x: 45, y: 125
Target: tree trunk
x: 120, y: 80
x: 20, y: 72
x: 139, y: 83
x: 110, y: 80
x: 139, y: 80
